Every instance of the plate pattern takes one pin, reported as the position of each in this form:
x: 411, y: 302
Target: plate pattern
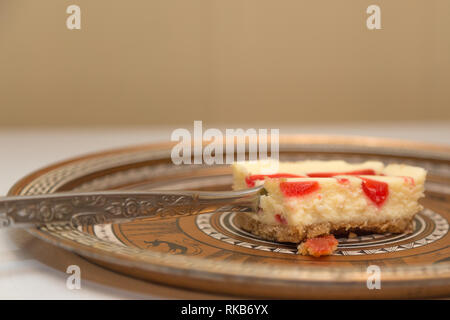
x: 360, y: 245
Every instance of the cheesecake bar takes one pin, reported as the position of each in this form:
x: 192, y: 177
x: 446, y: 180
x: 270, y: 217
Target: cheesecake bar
x: 309, y: 199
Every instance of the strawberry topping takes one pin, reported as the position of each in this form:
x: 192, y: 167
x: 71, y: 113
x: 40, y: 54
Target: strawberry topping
x: 280, y: 219
x: 364, y: 172
x: 409, y: 180
x: 377, y: 191
x: 298, y: 188
x: 342, y: 180
x: 320, y: 246
x: 250, y: 180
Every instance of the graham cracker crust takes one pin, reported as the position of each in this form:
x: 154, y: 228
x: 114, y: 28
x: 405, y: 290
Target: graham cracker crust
x: 296, y: 234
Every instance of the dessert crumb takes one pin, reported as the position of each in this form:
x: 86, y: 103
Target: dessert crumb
x: 352, y: 235
x: 319, y: 246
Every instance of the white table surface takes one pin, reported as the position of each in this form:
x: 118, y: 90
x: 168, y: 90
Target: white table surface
x: 32, y: 269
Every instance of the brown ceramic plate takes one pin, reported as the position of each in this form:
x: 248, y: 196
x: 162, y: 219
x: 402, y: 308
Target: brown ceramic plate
x: 209, y: 252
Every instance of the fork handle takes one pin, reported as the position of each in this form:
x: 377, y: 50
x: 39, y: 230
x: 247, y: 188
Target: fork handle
x: 116, y: 206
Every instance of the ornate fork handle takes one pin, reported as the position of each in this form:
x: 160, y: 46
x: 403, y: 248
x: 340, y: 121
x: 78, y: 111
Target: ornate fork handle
x: 111, y: 206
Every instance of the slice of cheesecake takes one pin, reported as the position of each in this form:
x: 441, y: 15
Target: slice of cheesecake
x: 311, y: 199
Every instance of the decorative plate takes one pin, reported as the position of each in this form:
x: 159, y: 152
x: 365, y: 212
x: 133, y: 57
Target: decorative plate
x: 209, y: 252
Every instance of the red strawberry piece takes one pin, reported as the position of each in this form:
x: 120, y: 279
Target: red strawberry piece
x: 298, y: 188
x: 280, y: 219
x: 364, y: 172
x: 376, y: 191
x: 342, y: 180
x: 409, y: 180
x: 321, y: 246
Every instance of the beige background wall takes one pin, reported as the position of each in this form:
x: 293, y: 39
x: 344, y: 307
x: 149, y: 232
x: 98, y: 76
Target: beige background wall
x: 222, y: 61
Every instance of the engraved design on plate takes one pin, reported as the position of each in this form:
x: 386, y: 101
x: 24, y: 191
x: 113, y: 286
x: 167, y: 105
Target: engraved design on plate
x: 360, y: 245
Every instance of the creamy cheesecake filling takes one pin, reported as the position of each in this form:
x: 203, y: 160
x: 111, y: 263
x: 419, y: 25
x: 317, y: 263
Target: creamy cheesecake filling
x: 309, y: 193
x: 337, y: 202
